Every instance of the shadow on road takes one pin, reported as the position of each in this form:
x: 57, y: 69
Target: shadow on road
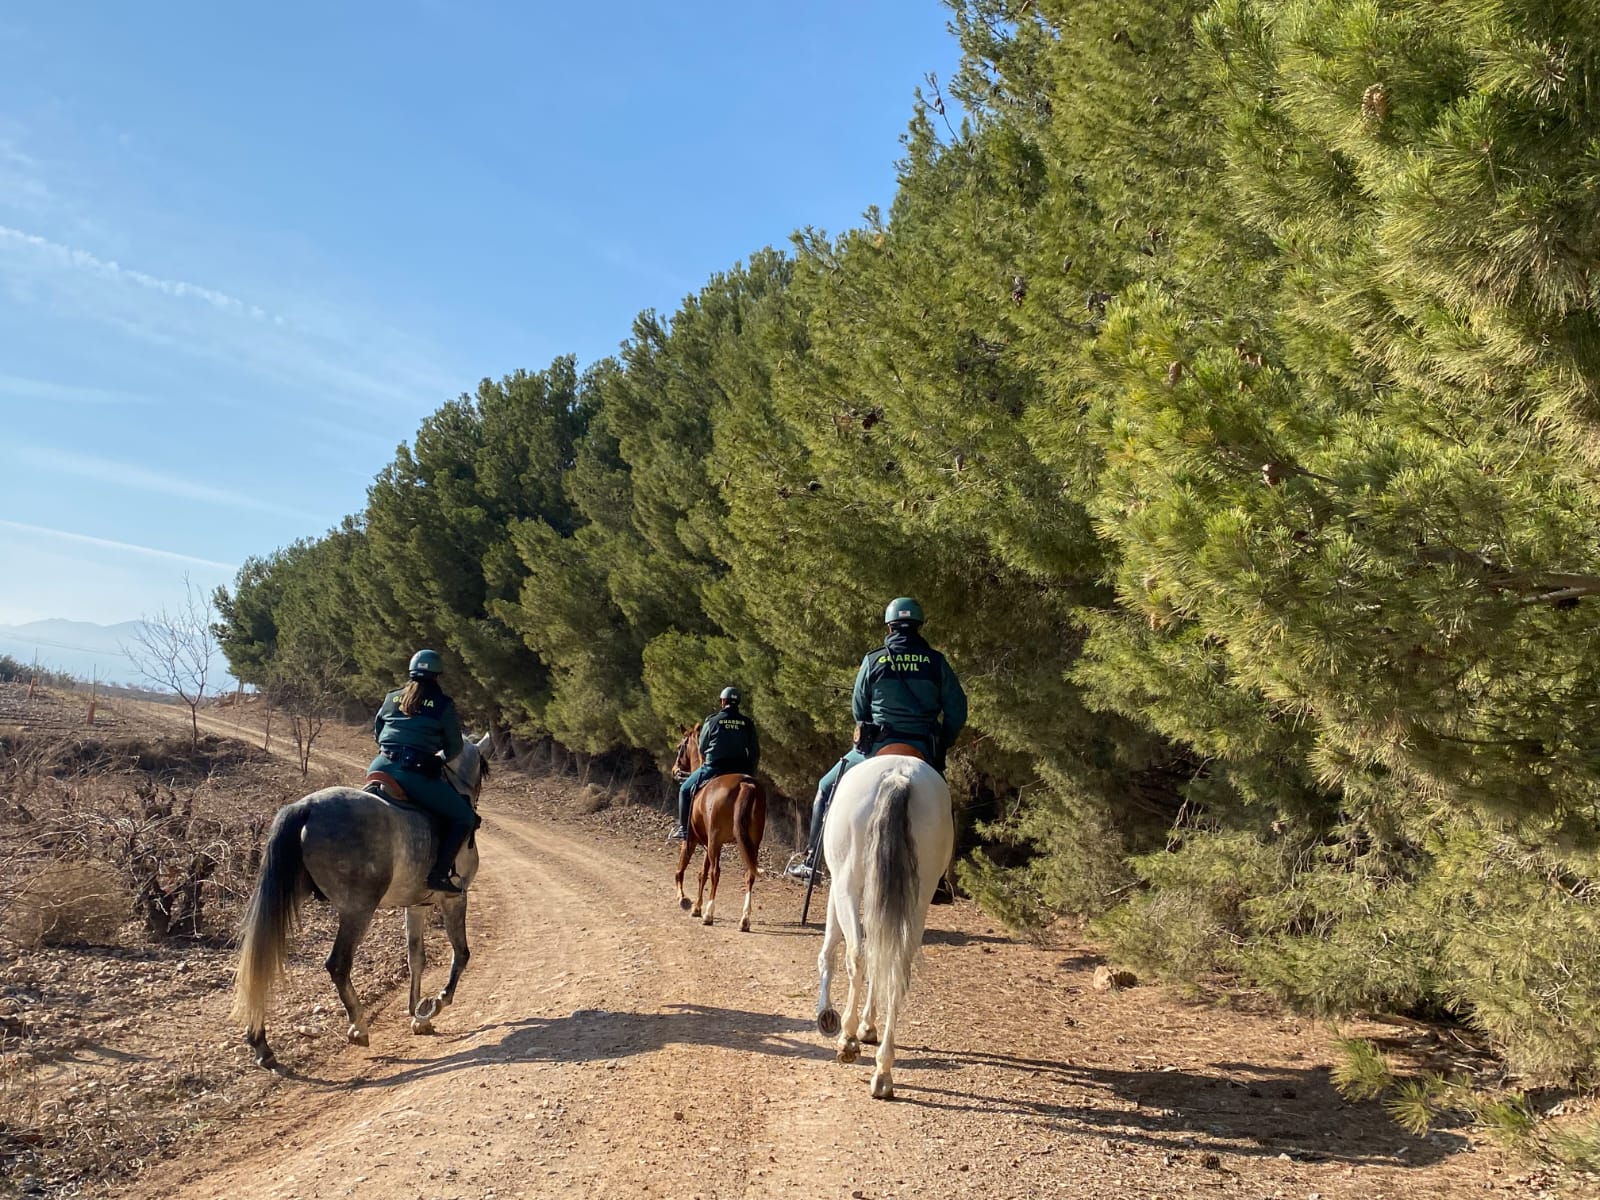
x: 600, y: 1035
x: 1276, y: 1111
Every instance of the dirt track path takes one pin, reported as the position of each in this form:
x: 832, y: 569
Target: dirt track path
x: 605, y: 1044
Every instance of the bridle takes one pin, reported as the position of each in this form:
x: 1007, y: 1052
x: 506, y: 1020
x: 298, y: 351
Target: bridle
x: 680, y: 761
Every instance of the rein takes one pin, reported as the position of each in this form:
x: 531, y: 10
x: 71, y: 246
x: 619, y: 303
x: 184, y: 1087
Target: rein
x: 453, y: 778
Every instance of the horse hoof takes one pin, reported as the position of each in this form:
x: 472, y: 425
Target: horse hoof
x: 358, y: 1037
x: 882, y: 1087
x: 685, y: 903
x: 694, y: 912
x: 706, y: 920
x: 427, y: 1009
x: 421, y: 1028
x: 869, y: 1036
x: 744, y: 925
x: 849, y: 1050
x: 828, y: 1023
x: 267, y: 1060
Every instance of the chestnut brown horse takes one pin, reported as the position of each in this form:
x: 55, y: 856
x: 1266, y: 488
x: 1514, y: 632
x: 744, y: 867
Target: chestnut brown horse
x: 729, y: 808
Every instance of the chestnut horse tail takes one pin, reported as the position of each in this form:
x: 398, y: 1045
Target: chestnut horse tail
x: 274, y: 911
x: 750, y: 819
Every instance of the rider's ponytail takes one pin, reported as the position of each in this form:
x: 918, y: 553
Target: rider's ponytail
x: 411, y: 697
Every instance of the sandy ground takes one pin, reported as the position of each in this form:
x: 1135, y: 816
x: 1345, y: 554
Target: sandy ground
x: 603, y: 1043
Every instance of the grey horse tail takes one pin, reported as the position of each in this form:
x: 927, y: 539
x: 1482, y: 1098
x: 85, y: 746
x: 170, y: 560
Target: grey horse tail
x: 273, y: 914
x: 889, y: 894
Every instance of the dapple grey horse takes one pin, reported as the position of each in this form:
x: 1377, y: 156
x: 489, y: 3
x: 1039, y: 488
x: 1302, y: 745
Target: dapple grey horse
x: 360, y: 853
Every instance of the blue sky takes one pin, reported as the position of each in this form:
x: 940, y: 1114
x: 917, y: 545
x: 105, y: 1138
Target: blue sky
x: 245, y: 249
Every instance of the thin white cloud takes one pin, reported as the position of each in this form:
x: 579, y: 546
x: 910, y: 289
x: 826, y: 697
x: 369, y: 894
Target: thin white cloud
x: 9, y: 153
x: 330, y: 361
x: 124, y: 474
x: 108, y: 544
x: 66, y: 393
x: 111, y: 269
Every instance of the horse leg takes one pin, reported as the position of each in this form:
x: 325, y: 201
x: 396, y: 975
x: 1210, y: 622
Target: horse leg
x: 352, y: 928
x: 850, y: 922
x: 750, y: 872
x: 883, y: 1067
x: 684, y: 855
x: 700, y: 896
x: 416, y: 961
x: 832, y: 935
x: 714, y: 854
x: 870, y: 1015
x: 454, y: 912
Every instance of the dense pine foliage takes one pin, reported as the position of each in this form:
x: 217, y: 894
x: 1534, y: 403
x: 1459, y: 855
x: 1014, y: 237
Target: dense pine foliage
x: 1226, y: 386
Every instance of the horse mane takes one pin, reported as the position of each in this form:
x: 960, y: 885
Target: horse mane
x: 461, y: 766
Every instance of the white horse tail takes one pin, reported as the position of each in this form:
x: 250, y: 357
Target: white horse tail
x: 273, y: 914
x: 889, y: 895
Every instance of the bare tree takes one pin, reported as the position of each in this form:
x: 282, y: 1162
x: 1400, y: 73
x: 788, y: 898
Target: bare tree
x: 172, y: 651
x: 307, y: 682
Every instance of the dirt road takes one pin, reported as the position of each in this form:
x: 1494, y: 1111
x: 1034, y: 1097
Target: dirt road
x: 603, y: 1043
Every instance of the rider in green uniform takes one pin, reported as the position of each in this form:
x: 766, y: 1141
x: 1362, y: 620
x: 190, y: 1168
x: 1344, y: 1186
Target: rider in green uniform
x: 905, y: 692
x: 729, y: 744
x: 414, y: 727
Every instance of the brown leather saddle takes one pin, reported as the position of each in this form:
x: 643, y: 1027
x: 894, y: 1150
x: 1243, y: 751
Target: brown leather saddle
x: 905, y: 748
x: 381, y: 783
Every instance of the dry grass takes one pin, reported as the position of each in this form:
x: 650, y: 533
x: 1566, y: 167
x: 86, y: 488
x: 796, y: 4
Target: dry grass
x: 592, y: 799
x: 60, y: 903
x: 126, y: 855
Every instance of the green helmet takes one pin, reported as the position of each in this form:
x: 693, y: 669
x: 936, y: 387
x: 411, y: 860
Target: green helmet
x: 903, y: 608
x: 425, y: 662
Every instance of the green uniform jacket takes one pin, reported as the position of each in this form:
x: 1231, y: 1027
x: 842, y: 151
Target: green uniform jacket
x: 728, y: 742
x: 904, y: 687
x: 434, y: 727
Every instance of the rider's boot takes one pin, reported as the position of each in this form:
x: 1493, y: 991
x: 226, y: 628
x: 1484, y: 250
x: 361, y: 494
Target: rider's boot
x: 440, y: 879
x: 819, y: 811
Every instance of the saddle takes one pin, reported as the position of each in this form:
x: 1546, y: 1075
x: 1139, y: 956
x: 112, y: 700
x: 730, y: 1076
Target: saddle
x: 904, y: 748
x: 387, y: 787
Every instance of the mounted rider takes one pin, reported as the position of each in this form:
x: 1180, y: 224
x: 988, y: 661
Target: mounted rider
x: 417, y: 731
x: 905, y: 692
x: 728, y: 744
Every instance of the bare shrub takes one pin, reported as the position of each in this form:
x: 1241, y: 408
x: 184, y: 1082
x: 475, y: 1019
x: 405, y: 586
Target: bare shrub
x: 64, y: 903
x: 79, y: 811
x: 592, y: 799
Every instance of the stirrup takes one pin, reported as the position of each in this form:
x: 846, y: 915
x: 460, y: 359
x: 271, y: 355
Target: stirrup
x: 801, y: 869
x: 440, y: 881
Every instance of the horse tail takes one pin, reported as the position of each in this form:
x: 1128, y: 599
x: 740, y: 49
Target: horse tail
x: 273, y: 914
x: 750, y: 819
x: 889, y: 893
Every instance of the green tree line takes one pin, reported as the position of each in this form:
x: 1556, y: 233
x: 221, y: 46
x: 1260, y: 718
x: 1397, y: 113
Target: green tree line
x: 1226, y: 384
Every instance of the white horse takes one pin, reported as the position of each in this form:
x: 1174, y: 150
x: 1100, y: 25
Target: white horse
x: 887, y: 842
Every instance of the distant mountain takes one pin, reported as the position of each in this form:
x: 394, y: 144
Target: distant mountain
x: 87, y: 650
